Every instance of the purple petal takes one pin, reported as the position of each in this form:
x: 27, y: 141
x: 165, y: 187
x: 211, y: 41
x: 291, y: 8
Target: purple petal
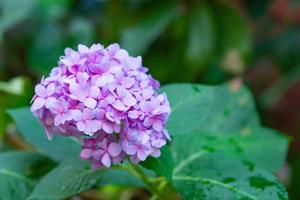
x: 141, y: 154
x: 40, y: 90
x: 94, y: 92
x: 91, y: 126
x: 97, y: 155
x: 114, y: 149
x: 134, y: 159
x: 88, y: 114
x: 156, y: 153
x: 108, y: 127
x: 86, y: 153
x: 106, y: 161
x: 50, y: 89
x: 131, y: 150
x: 83, y: 49
x: 76, y: 115
x: 80, y: 126
x: 133, y: 114
x: 148, y: 122
x: 129, y: 100
x: 127, y: 82
x: 104, y: 80
x: 90, y: 103
x: 37, y: 104
x: 157, y: 125
x: 119, y: 105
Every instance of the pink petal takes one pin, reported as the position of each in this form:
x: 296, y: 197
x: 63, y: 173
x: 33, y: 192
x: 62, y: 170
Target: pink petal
x: 52, y: 103
x: 129, y: 100
x: 133, y: 114
x: 40, y: 90
x: 131, y: 150
x: 113, y: 48
x: 50, y: 89
x: 148, y: 122
x: 98, y: 154
x: 94, y: 92
x: 86, y: 153
x: 90, y: 103
x: 104, y: 80
x: 58, y: 120
x: 108, y: 128
x: 119, y: 105
x: 156, y: 153
x: 88, y: 114
x: 134, y: 159
x: 114, y: 149
x: 37, y: 104
x: 106, y: 161
x: 127, y: 82
x: 49, y: 133
x: 141, y: 154
x: 66, y: 62
x: 80, y: 126
x: 157, y: 125
x: 82, y: 77
x: 83, y: 49
x: 122, y: 92
x: 76, y: 115
x: 91, y: 126
x: 147, y: 94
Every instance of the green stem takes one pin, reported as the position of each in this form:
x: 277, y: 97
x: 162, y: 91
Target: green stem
x: 155, y: 186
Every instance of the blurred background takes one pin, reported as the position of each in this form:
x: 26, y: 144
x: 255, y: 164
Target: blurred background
x: 208, y: 42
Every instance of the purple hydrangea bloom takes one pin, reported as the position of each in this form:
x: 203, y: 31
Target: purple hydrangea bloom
x: 105, y: 98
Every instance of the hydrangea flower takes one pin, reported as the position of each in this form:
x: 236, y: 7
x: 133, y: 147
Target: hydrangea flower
x: 105, y: 98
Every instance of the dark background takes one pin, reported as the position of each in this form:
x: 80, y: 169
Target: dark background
x: 208, y: 42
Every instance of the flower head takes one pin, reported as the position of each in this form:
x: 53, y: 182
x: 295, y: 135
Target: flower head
x: 105, y: 98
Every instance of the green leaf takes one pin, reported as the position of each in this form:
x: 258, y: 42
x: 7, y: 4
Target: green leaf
x: 13, y: 12
x: 14, y: 186
x: 25, y: 163
x: 201, y: 37
x: 69, y: 178
x: 208, y: 175
x: 249, y: 145
x: 74, y: 176
x: 256, y: 142
x: 148, y: 29
x: 59, y: 148
x: 162, y: 166
x: 15, y: 168
x: 195, y: 107
x: 234, y: 32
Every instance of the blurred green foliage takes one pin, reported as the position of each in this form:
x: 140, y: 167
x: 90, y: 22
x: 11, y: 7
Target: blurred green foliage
x: 206, y: 41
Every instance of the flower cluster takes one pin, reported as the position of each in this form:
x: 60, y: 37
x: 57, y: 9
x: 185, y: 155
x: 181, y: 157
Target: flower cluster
x: 105, y: 98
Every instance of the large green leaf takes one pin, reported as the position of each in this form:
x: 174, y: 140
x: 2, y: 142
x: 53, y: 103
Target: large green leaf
x: 136, y: 39
x: 201, y: 36
x: 208, y: 175
x: 15, y: 168
x: 59, y: 149
x: 14, y: 186
x: 213, y: 109
x: 162, y: 166
x: 251, y: 145
x: 25, y: 163
x: 74, y: 176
